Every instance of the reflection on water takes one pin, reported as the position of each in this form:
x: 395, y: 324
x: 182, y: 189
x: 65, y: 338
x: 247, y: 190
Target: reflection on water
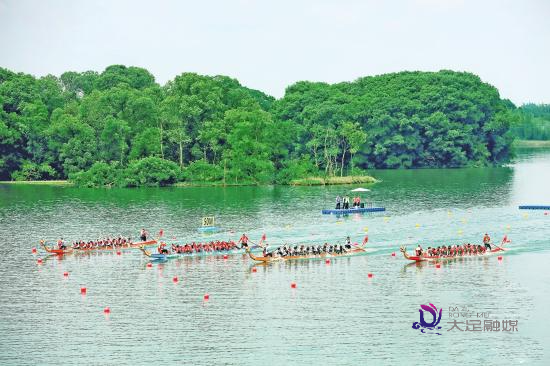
x: 336, y: 314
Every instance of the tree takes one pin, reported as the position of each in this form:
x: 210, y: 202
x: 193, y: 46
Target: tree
x: 249, y: 152
x: 352, y: 138
x: 145, y: 145
x: 61, y: 126
x: 114, y: 140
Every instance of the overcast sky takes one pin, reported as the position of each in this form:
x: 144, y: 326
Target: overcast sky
x: 269, y: 45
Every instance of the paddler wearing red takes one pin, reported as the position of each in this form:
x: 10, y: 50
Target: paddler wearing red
x: 162, y: 249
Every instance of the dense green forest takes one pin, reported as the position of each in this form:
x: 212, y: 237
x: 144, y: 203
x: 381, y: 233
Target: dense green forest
x: 534, y: 122
x: 121, y: 128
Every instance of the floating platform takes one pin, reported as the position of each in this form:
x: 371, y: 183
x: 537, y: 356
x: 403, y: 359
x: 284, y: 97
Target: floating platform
x: 353, y: 210
x: 208, y: 229
x: 534, y: 207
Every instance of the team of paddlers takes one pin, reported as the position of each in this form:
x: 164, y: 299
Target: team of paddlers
x: 281, y: 251
x: 457, y: 250
x: 212, y: 246
x: 99, y: 243
x: 452, y: 250
x: 103, y: 243
x: 287, y: 250
x: 299, y: 250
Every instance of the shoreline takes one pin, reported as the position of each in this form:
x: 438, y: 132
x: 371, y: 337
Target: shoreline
x: 38, y: 182
x: 310, y: 181
x: 532, y: 143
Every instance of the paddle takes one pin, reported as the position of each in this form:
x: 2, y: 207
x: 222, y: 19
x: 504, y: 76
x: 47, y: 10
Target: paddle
x: 145, y: 251
x: 499, y: 247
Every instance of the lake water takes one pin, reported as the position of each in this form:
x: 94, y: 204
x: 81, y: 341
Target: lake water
x: 336, y: 315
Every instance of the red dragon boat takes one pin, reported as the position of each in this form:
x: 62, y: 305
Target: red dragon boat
x: 424, y: 258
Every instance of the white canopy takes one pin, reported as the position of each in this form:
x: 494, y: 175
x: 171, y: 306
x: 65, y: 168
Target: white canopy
x: 360, y: 190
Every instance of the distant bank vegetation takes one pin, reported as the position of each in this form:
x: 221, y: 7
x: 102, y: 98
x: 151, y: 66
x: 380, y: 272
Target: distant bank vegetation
x: 533, y: 122
x: 120, y: 128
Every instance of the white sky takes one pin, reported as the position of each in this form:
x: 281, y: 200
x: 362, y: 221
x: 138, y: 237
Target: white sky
x: 269, y: 45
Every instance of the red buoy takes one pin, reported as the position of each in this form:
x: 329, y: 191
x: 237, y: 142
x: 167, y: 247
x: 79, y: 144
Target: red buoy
x: 175, y: 279
x: 39, y: 261
x: 438, y: 265
x: 149, y: 265
x: 545, y: 214
x: 370, y: 275
x: 254, y: 269
x: 393, y: 254
x: 83, y: 290
x: 107, y: 310
x: 33, y: 250
x: 118, y: 253
x: 206, y: 297
x: 499, y: 257
x: 225, y: 256
x: 65, y: 274
x: 327, y: 261
x: 293, y: 285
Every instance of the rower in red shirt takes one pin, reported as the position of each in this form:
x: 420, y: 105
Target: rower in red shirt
x: 162, y: 249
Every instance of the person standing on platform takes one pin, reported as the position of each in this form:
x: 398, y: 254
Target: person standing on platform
x: 346, y: 202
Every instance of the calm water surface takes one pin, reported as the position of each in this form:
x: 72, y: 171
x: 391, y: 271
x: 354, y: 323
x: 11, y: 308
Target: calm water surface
x: 336, y: 315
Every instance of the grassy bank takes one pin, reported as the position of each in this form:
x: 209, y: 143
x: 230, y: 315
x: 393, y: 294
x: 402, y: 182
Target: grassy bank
x: 320, y: 181
x: 39, y: 182
x: 213, y: 184
x: 309, y: 181
x: 532, y: 143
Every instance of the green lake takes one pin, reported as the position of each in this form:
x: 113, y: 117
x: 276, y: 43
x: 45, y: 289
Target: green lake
x: 336, y: 315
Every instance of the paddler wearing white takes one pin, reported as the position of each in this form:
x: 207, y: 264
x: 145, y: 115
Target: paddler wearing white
x: 347, y: 246
x: 61, y: 244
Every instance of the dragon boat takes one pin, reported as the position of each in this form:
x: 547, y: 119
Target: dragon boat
x: 213, y: 253
x: 135, y: 245
x: 69, y: 250
x: 422, y: 258
x: 356, y: 250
